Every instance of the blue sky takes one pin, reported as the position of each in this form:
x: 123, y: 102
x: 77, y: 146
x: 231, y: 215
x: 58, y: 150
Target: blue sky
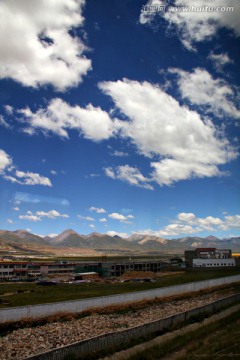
x: 120, y: 117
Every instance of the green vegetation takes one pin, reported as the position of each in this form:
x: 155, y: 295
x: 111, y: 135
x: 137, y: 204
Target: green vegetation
x: 20, y: 294
x: 219, y: 340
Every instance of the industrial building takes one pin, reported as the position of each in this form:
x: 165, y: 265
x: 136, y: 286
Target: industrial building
x: 209, y: 258
x: 27, y: 270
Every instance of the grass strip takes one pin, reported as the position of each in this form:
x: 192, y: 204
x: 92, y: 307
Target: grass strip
x: 219, y: 339
x: 22, y: 294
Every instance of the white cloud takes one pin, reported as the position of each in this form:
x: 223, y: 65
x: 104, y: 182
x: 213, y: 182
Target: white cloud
x: 120, y: 217
x: 189, y: 223
x: 36, y: 46
x: 8, y: 109
x: 88, y: 218
x: 92, y: 175
x: 51, y: 235
x: 119, y: 153
x: 4, y: 123
x: 117, y: 216
x: 220, y: 60
x: 179, y: 143
x: 168, y: 171
x: 5, y: 161
x: 177, y: 229
x: 16, y: 208
x: 159, y: 127
x: 187, y: 217
x: 233, y: 221
x: 201, y: 89
x: 9, y: 221
x: 8, y: 172
x: 120, y: 234
x: 98, y: 210
x: 30, y: 178
x: 92, y: 226
x: 169, y: 230
x: 207, y: 223
x: 197, y: 23
x: 147, y: 17
x: 129, y: 174
x: 52, y: 214
x: 33, y: 218
x: 103, y: 220
x: 59, y: 117
x: 40, y: 215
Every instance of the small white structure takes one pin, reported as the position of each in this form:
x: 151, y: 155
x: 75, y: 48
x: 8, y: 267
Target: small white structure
x: 210, y: 263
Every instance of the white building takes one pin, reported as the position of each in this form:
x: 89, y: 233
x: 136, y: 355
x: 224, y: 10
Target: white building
x: 210, y: 263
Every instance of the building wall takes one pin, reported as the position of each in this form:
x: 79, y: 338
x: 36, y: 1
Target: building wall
x: 223, y: 256
x: 10, y: 270
x: 112, y: 269
x: 213, y: 262
x: 16, y: 269
x: 77, y: 306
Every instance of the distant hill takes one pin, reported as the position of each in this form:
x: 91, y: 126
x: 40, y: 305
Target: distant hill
x: 21, y: 241
x: 95, y: 243
x: 68, y: 238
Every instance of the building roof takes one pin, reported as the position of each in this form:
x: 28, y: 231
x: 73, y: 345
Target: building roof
x: 205, y: 249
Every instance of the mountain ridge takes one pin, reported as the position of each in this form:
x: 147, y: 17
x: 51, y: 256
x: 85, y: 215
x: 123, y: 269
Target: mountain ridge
x: 138, y: 243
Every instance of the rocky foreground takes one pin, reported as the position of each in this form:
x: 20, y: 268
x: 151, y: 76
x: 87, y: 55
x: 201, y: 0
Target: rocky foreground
x: 23, y: 343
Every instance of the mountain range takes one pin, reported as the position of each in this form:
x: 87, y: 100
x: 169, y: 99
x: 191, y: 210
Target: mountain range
x: 70, y: 242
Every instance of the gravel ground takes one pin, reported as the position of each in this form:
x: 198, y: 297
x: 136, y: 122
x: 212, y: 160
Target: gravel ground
x: 25, y: 342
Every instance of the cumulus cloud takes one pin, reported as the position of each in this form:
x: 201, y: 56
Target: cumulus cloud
x: 5, y: 161
x: 9, y: 172
x: 199, y: 21
x: 30, y: 217
x: 208, y: 223
x: 131, y: 175
x: 40, y: 215
x: 187, y: 217
x: 59, y: 117
x: 103, y: 220
x: 159, y: 127
x: 189, y: 223
x: 52, y: 214
x: 28, y: 178
x: 98, y: 210
x: 40, y: 48
x: 201, y: 89
x: 180, y: 144
x: 232, y: 221
x: 120, y: 217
